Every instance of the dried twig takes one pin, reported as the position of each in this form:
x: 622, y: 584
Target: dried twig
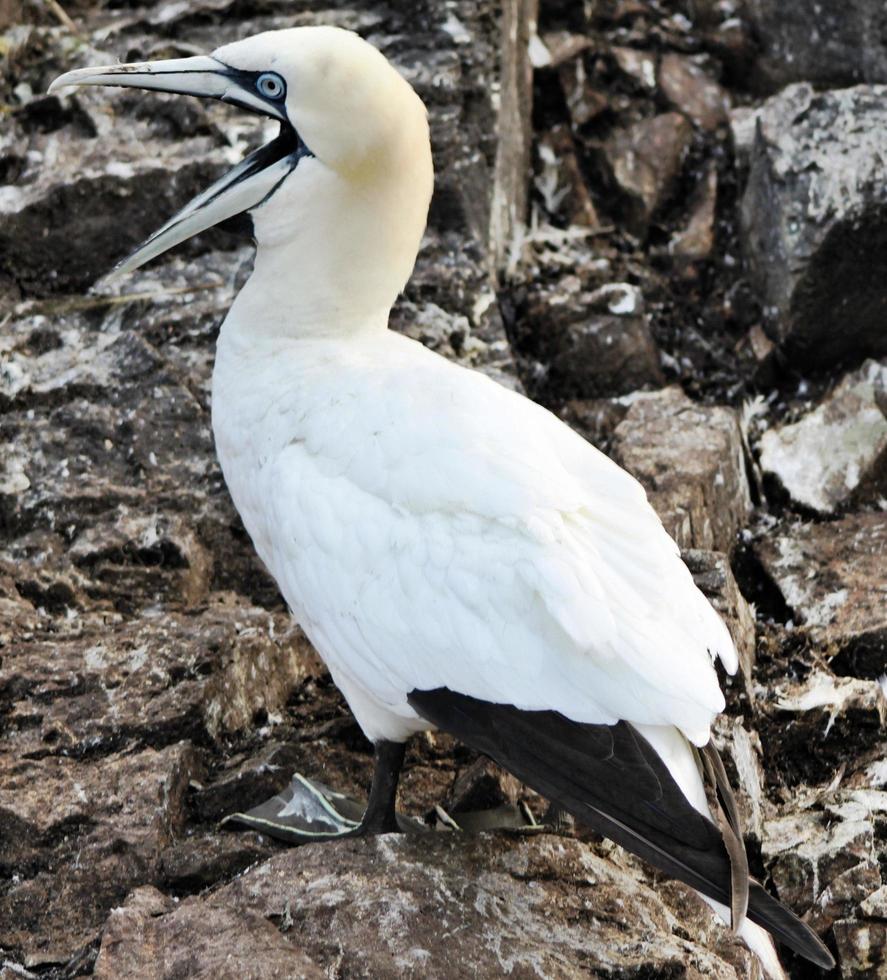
x: 61, y: 15
x: 96, y: 301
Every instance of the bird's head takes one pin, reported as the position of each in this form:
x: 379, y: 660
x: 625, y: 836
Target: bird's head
x: 348, y: 179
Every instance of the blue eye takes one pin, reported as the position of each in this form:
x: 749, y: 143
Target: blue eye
x: 271, y: 85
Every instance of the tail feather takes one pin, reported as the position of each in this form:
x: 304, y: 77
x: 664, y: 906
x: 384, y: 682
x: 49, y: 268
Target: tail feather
x: 611, y: 778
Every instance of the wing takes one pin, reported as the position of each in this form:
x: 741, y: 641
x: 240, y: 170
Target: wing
x: 613, y: 780
x: 434, y: 530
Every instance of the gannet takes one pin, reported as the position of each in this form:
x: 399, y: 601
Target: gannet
x: 459, y: 557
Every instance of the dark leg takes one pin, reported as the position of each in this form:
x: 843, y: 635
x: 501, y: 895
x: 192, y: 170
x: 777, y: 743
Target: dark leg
x: 379, y: 817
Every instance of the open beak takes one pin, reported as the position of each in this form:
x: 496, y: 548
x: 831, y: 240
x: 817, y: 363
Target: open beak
x: 249, y: 184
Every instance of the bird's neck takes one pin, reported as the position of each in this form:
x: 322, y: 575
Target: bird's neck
x: 332, y: 252
x: 280, y: 301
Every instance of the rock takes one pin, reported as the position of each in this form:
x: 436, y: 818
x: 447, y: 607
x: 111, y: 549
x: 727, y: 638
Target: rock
x: 861, y: 948
x: 729, y: 37
x: 842, y: 605
x: 69, y: 184
x: 596, y: 418
x: 693, y: 92
x: 833, y: 720
x: 696, y: 239
x: 483, y: 786
x: 81, y: 836
x: 158, y: 678
x: 593, y: 344
x: 563, y: 46
x: 154, y: 557
x: 198, y: 860
x: 514, y: 127
x: 690, y: 460
x: 836, y: 454
x: 820, y: 860
x: 561, y: 181
x: 714, y: 577
x: 810, y: 41
x: 520, y: 905
x: 760, y: 348
x: 258, y: 676
x: 645, y: 161
x: 584, y: 102
x: 741, y: 752
x: 141, y: 944
x: 743, y: 127
x: 640, y: 66
x: 812, y: 223
x: 246, y: 782
x: 78, y: 780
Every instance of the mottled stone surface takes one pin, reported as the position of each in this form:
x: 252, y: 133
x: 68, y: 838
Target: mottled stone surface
x: 401, y: 906
x: 595, y: 343
x: 714, y: 577
x: 692, y: 91
x: 829, y: 44
x: 813, y: 223
x: 831, y: 577
x: 690, y: 460
x: 836, y: 453
x: 645, y: 161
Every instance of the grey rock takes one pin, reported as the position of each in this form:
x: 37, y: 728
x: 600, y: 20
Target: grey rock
x: 561, y: 181
x: 258, y: 674
x: 741, y: 752
x: 108, y: 825
x: 743, y: 127
x: 596, y: 418
x: 644, y: 161
x: 714, y: 577
x: 696, y: 240
x: 562, y: 46
x: 584, y: 101
x: 812, y: 223
x: 521, y: 906
x: 862, y: 948
x: 141, y: 943
x: 842, y: 604
x: 692, y: 91
x: 85, y: 803
x: 837, y: 453
x: 820, y: 860
x: 482, y: 786
x: 55, y: 235
x: 831, y: 722
x: 690, y: 460
x: 830, y: 45
x: 593, y: 343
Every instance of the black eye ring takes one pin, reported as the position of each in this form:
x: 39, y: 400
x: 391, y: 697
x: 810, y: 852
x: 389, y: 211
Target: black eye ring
x: 271, y: 85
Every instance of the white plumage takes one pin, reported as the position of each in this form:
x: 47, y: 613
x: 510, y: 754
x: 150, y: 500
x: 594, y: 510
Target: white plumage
x: 436, y: 535
x: 431, y: 528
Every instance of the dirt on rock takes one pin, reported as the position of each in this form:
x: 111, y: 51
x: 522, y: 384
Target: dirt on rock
x: 611, y: 232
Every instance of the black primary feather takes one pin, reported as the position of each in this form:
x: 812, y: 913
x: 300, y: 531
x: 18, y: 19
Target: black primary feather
x: 611, y: 778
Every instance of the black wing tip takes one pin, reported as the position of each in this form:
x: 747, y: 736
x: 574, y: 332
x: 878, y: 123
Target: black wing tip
x: 791, y: 931
x: 500, y: 731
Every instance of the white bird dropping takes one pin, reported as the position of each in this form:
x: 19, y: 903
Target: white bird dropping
x: 459, y: 557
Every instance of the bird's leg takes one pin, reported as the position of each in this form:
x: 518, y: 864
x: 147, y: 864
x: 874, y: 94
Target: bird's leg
x: 379, y: 816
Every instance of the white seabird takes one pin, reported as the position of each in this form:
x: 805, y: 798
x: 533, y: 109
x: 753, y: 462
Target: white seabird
x: 459, y: 557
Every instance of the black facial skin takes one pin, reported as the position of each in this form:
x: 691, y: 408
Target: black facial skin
x: 249, y: 81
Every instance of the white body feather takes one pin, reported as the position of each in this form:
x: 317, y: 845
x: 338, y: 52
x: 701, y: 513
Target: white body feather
x: 430, y: 528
